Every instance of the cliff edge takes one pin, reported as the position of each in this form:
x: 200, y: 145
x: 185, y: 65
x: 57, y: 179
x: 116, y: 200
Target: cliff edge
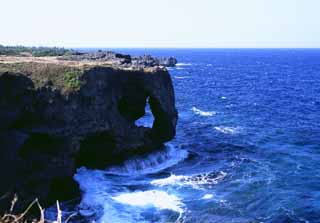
x: 58, y: 115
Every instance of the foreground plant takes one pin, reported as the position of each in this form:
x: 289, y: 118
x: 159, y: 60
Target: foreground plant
x: 23, y: 218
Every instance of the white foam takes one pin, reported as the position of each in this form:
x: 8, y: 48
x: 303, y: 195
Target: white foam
x: 223, y: 97
x: 95, y: 190
x: 154, y: 198
x: 181, y: 77
x: 194, y: 181
x: 105, y: 199
x: 203, y: 113
x: 207, y: 196
x: 98, y: 193
x: 173, y: 179
x: 227, y: 130
x: 183, y: 64
x: 151, y: 163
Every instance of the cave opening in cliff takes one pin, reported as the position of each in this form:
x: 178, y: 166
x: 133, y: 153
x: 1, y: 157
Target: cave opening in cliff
x: 147, y: 119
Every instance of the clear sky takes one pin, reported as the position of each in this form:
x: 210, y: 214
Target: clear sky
x: 160, y: 23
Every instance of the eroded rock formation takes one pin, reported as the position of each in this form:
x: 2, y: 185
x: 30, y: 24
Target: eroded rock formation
x: 122, y: 59
x: 46, y: 132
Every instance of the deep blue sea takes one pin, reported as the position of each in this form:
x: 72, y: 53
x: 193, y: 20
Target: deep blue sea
x: 247, y: 147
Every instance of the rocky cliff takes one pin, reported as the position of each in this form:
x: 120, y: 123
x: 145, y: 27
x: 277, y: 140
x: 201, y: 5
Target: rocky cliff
x: 55, y: 117
x: 121, y: 59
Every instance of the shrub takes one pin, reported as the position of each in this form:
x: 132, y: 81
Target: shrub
x: 34, y: 51
x: 72, y: 79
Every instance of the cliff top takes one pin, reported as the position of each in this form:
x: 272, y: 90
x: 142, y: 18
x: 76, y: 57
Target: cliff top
x: 46, y: 60
x: 64, y: 75
x: 13, y: 63
x: 64, y: 68
x: 71, y: 57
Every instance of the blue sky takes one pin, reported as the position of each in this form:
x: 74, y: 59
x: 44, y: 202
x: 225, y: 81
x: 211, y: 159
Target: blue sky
x: 165, y: 23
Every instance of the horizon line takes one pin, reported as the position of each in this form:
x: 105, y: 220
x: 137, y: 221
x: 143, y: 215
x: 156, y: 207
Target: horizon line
x: 149, y: 47
x: 159, y: 47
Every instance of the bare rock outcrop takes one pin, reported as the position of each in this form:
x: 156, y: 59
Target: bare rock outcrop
x: 54, y: 119
x: 122, y: 59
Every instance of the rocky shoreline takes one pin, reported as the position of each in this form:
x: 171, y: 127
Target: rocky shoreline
x: 122, y: 59
x: 61, y: 113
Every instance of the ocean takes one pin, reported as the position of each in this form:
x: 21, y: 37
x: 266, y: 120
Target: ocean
x: 247, y: 147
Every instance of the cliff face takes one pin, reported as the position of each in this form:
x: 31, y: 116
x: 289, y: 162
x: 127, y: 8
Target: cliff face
x: 47, y: 129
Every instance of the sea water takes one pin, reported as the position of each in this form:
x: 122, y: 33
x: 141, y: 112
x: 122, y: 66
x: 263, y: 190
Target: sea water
x: 247, y: 147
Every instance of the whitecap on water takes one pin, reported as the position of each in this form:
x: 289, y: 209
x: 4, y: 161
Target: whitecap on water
x: 228, y: 130
x: 151, y: 163
x: 207, y: 196
x: 154, y: 198
x: 181, y: 77
x: 203, y: 113
x: 183, y: 64
x: 194, y: 181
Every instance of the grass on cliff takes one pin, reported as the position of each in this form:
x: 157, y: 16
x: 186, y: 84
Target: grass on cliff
x: 65, y: 78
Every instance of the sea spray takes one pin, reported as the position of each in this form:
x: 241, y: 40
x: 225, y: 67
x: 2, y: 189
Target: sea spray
x: 195, y: 181
x: 151, y: 163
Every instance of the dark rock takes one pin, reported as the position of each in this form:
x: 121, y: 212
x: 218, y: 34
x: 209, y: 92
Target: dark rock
x: 168, y: 62
x: 122, y: 59
x: 46, y: 134
x: 126, y: 58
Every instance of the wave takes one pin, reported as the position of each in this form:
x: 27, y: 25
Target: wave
x: 158, y: 199
x: 183, y: 64
x: 105, y: 199
x: 207, y: 196
x: 151, y: 163
x: 203, y: 113
x: 228, y: 130
x: 194, y: 181
x: 96, y: 200
x: 181, y: 77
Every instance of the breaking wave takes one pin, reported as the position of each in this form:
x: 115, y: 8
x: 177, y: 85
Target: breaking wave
x: 151, y: 163
x: 154, y: 198
x: 105, y: 201
x: 207, y: 196
x: 203, y: 113
x: 183, y: 64
x: 195, y: 181
x: 228, y: 130
x: 108, y: 195
x: 181, y: 77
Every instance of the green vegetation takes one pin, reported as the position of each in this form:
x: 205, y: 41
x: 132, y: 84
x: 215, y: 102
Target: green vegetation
x: 72, y: 79
x: 63, y: 77
x: 33, y: 51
